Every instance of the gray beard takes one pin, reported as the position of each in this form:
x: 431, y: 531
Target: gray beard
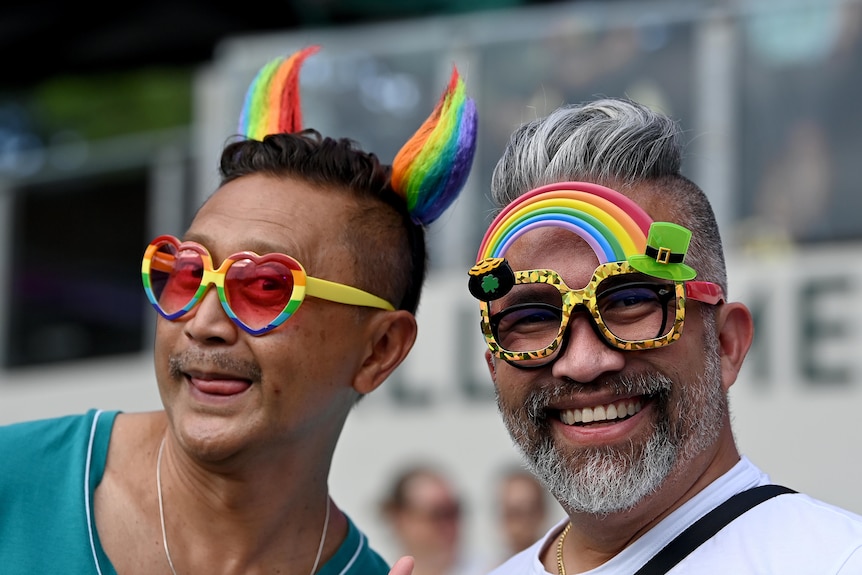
x: 608, y: 480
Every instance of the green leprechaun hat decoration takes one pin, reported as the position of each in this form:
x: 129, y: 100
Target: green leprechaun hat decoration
x: 667, y: 244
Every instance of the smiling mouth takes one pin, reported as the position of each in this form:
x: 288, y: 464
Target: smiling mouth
x: 611, y: 412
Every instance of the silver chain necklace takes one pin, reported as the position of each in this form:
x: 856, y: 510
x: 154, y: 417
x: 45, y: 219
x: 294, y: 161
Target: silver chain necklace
x: 162, y: 517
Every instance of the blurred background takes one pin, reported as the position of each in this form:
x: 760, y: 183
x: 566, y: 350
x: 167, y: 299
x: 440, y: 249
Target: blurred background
x: 110, y: 132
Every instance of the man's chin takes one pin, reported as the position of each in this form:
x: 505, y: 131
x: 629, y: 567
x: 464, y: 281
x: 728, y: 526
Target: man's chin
x: 603, y: 480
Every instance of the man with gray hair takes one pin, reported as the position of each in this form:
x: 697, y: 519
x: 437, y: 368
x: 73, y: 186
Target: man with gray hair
x: 586, y: 279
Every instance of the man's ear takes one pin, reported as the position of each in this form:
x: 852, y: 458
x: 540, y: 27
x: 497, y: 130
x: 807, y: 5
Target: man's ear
x: 392, y: 335
x: 489, y: 360
x: 735, y: 327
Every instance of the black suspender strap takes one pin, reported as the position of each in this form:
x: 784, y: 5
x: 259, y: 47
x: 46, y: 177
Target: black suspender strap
x: 707, y: 526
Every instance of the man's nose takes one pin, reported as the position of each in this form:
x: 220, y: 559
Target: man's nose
x: 208, y: 319
x: 585, y: 356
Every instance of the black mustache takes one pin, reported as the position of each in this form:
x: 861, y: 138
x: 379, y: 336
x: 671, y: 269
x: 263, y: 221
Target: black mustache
x: 180, y: 364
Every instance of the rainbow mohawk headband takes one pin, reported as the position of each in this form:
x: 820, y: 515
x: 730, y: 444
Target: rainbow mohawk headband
x: 272, y: 100
x: 432, y: 167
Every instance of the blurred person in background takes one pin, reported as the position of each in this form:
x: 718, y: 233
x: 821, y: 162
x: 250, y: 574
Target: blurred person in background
x: 258, y: 372
x: 425, y: 514
x: 523, y: 507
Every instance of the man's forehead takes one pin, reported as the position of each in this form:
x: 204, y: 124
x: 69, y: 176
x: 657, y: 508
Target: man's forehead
x: 266, y: 214
x: 548, y: 248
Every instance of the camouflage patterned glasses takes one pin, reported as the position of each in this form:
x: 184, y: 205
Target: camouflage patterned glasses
x: 525, y: 314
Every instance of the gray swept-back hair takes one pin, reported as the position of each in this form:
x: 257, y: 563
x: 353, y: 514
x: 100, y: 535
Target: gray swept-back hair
x: 617, y: 143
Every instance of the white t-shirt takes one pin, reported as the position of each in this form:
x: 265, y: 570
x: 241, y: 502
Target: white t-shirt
x: 792, y: 534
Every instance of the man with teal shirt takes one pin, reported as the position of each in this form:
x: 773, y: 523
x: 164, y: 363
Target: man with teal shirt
x: 290, y: 296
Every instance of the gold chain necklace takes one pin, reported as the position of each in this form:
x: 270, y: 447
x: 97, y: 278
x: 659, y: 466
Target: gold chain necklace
x: 162, y: 517
x: 561, y: 567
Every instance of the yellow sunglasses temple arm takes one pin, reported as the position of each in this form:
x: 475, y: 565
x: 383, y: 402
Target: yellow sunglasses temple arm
x: 341, y: 293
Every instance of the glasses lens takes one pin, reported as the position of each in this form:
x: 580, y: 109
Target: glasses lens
x: 636, y: 310
x: 531, y: 320
x: 175, y: 277
x: 259, y: 291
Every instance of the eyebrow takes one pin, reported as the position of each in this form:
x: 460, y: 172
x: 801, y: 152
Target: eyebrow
x: 257, y: 246
x: 538, y: 292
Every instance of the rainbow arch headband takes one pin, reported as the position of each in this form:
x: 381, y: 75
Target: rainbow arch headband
x: 613, y: 225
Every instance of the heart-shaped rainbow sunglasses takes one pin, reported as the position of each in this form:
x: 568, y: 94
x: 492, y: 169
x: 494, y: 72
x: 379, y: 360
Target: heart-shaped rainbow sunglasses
x: 258, y: 292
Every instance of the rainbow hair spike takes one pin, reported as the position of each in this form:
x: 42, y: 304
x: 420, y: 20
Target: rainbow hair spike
x: 428, y: 172
x: 612, y: 224
x: 272, y: 100
x: 432, y: 167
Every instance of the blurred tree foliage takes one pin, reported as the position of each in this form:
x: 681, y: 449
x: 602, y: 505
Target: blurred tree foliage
x: 106, y: 105
x: 333, y: 12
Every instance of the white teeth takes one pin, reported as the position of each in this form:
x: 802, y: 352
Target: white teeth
x: 609, y: 412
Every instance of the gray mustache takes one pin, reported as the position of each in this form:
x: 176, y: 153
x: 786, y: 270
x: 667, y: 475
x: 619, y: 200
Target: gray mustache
x: 643, y: 384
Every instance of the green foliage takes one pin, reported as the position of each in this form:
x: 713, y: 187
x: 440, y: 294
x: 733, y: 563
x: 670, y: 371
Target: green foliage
x: 111, y: 105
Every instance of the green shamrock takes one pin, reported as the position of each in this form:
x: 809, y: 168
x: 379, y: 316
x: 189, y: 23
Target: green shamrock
x: 490, y: 283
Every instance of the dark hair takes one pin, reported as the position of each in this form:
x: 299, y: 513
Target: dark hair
x: 397, y: 497
x: 388, y: 247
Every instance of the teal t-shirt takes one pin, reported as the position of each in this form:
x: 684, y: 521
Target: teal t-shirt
x: 51, y: 468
